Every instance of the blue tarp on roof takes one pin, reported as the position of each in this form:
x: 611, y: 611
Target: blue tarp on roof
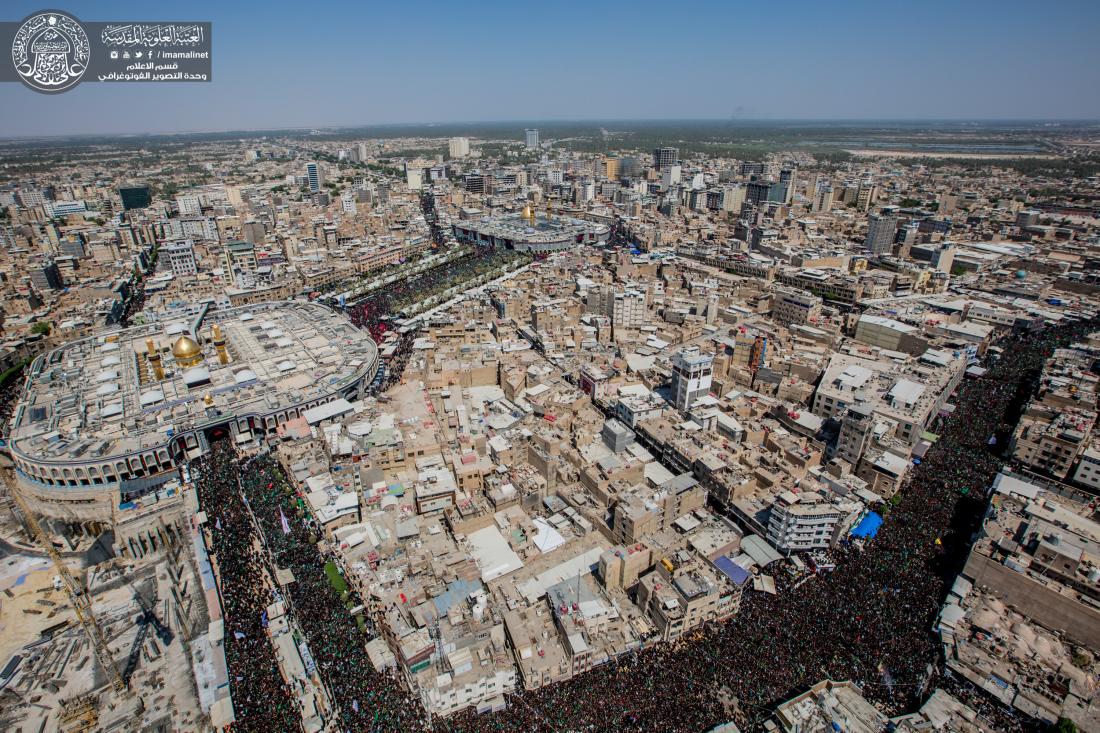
x: 868, y: 526
x: 456, y: 592
x: 737, y: 574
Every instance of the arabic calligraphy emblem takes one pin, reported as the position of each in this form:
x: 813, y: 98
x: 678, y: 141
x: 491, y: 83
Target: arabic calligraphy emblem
x: 50, y: 52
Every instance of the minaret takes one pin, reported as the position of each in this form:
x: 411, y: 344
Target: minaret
x: 154, y: 359
x: 219, y: 345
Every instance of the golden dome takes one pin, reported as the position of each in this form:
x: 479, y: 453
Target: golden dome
x: 528, y: 212
x: 186, y: 351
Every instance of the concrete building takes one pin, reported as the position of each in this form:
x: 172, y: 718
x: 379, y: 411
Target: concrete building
x: 804, y: 522
x: 682, y: 593
x: 628, y: 309
x: 644, y: 511
x: 180, y: 256
x: 239, y: 262
x: 830, y: 706
x: 889, y: 334
x: 881, y: 229
x: 692, y: 373
x: 795, y: 307
x: 906, y: 395
x: 188, y: 205
x: 458, y: 147
x: 531, y: 139
x: 665, y: 158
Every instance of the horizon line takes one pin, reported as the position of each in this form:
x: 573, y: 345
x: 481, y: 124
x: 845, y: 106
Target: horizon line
x: 559, y: 121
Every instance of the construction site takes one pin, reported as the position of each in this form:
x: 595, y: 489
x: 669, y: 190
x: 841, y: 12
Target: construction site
x: 93, y: 642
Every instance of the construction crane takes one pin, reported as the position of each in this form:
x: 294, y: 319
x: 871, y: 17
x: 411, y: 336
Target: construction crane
x: 78, y: 594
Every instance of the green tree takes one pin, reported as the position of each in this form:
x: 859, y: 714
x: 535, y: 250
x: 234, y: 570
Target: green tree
x: 1064, y: 725
x: 42, y: 328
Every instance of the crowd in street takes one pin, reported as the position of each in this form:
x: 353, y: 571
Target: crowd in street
x: 870, y: 620
x: 241, y: 499
x: 261, y: 700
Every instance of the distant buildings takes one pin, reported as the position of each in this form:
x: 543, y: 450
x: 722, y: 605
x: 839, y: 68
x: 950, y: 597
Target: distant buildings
x: 135, y: 197
x: 458, y: 147
x: 531, y: 137
x: 530, y: 235
x: 665, y: 157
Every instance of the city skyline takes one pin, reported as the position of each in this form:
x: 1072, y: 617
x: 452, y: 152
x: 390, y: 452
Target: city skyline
x: 616, y: 62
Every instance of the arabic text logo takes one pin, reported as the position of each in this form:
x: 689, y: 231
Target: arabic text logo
x: 50, y: 52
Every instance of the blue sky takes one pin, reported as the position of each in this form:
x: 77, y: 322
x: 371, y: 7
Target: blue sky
x: 296, y: 64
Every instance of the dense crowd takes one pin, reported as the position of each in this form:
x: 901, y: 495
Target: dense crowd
x: 240, y: 499
x: 9, y: 397
x: 261, y: 700
x: 869, y: 620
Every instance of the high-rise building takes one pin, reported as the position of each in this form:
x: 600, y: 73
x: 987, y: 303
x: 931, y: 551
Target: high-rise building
x: 787, y: 180
x: 347, y: 203
x: 758, y: 192
x: 458, y: 147
x: 629, y: 167
x: 315, y: 177
x: 865, y: 195
x: 532, y: 138
x: 362, y: 150
x: 691, y: 376
x: 628, y: 310
x: 749, y: 169
x: 733, y: 198
x: 474, y: 182
x: 135, y: 197
x: 611, y: 168
x: 670, y: 176
x: 880, y: 233
x: 665, y: 157
x: 823, y: 198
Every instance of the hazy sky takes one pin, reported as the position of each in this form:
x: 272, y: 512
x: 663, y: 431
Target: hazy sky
x: 314, y: 63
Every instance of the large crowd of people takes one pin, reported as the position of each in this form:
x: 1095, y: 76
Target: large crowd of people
x: 257, y: 526
x: 869, y: 620
x: 261, y: 699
